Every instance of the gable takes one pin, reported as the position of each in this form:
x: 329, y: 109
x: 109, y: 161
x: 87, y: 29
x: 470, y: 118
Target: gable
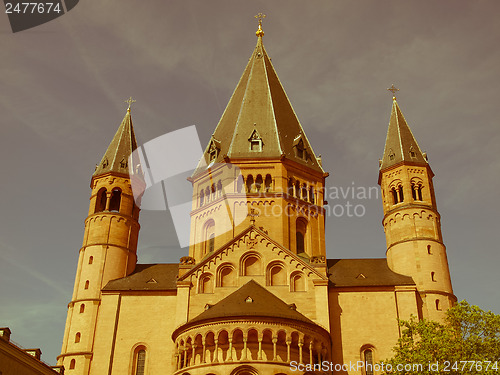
x: 253, y: 255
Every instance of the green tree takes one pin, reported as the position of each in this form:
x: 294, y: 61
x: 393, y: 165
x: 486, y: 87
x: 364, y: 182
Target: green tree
x: 468, y: 342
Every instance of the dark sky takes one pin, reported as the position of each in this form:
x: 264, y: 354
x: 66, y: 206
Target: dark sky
x: 63, y: 85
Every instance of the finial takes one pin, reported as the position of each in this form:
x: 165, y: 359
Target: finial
x: 253, y: 214
x: 393, y: 89
x: 260, y: 32
x: 129, y: 101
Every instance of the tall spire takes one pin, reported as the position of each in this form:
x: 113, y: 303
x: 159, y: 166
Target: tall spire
x: 121, y: 147
x: 400, y: 144
x: 259, y: 113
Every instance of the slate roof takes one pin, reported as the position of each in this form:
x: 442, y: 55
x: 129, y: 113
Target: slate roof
x: 263, y: 304
x: 400, y: 142
x: 364, y: 272
x: 147, y: 277
x: 123, y: 144
x: 343, y: 273
x: 259, y: 104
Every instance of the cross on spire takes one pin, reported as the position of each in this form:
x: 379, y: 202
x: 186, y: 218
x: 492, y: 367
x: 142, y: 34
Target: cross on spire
x: 130, y: 101
x: 393, y: 89
x: 260, y: 17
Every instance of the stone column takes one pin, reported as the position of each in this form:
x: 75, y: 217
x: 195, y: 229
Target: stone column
x: 244, y: 352
x: 216, y: 351
x: 259, y: 355
x: 203, y: 360
x: 288, y: 343
x: 275, y: 357
x: 300, y: 351
x: 193, y: 359
x: 229, y: 357
x: 311, y: 359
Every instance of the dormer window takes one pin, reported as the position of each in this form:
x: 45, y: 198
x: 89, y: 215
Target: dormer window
x: 413, y: 154
x: 299, y: 147
x: 256, y: 145
x: 213, y: 150
x: 255, y: 141
x: 392, y: 155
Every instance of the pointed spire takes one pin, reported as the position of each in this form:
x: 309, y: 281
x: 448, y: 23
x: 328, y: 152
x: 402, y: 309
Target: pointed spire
x: 259, y: 107
x: 123, y: 144
x: 400, y: 144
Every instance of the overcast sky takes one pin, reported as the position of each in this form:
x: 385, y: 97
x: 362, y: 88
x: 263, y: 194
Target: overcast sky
x: 63, y: 85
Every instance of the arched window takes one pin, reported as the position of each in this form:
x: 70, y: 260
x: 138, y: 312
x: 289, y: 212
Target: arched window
x: 304, y: 192
x: 251, y: 265
x: 206, y: 284
x: 72, y: 364
x: 211, y: 243
x: 239, y: 184
x: 368, y: 360
x: 268, y: 182
x: 209, y: 236
x: 82, y: 308
x: 433, y: 276
x: 91, y: 259
x: 297, y: 282
x: 207, y: 194
x: 416, y: 190
x: 212, y: 193
x: 394, y: 196
x: 300, y: 236
x: 116, y: 197
x: 140, y: 362
x: 250, y: 184
x: 429, y: 251
x: 87, y: 284
x: 78, y: 337
x: 219, y: 189
x: 202, y: 197
x: 258, y: 183
x: 226, y: 275
x: 311, y: 195
x: 290, y: 187
x: 100, y: 202
x: 300, y: 242
x: 276, y: 274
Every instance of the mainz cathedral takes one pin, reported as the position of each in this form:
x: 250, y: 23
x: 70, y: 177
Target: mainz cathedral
x: 256, y: 294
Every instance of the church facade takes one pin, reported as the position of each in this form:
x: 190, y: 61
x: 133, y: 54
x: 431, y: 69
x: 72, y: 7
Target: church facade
x: 262, y: 297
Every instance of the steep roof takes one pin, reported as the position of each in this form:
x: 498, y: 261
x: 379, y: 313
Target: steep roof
x: 123, y: 144
x: 364, y: 272
x: 400, y: 144
x: 251, y: 300
x: 147, y: 277
x: 259, y: 109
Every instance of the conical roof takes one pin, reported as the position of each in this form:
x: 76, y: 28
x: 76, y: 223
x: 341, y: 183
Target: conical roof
x: 121, y: 147
x: 260, y: 110
x: 400, y: 144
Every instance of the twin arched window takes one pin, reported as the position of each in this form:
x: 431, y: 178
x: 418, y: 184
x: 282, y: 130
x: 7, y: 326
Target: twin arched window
x: 102, y: 200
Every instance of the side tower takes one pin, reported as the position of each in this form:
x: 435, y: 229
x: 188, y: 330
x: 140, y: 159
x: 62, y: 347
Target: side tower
x: 109, y: 247
x: 283, y: 180
x: 411, y: 220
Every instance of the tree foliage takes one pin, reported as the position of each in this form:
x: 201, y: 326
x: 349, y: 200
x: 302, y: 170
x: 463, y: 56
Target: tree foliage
x: 468, y: 342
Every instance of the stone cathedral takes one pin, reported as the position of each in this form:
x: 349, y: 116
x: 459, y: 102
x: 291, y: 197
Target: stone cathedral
x: 261, y: 298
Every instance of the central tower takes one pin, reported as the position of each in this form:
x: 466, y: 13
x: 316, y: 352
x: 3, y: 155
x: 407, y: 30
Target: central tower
x: 281, y: 189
